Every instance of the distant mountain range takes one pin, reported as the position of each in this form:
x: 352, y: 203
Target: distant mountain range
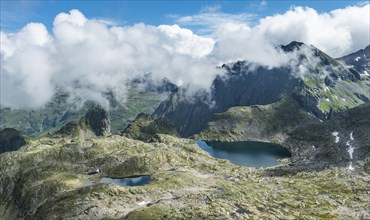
x: 329, y: 86
x: 143, y: 96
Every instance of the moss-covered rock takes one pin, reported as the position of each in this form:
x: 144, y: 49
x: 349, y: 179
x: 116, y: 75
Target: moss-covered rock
x: 269, y: 123
x: 145, y: 128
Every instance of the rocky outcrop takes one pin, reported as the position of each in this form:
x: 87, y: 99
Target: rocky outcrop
x: 267, y: 123
x: 145, y: 128
x: 328, y: 143
x: 98, y: 120
x: 11, y: 140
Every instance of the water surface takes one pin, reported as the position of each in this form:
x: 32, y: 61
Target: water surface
x: 128, y: 181
x: 246, y: 153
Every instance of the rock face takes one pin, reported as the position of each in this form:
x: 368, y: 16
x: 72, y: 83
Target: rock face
x: 326, y: 88
x: 359, y: 60
x: 144, y: 128
x: 11, y: 140
x: 98, y: 120
x: 329, y: 143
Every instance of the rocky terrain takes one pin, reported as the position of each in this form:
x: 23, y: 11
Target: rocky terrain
x: 359, y: 60
x: 311, y: 141
x: 46, y: 179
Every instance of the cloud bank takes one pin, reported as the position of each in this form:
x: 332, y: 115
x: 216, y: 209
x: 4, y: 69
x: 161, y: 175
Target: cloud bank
x: 88, y: 57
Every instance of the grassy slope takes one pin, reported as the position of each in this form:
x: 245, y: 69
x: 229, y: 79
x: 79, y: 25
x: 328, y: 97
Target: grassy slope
x: 45, y: 180
x: 256, y: 123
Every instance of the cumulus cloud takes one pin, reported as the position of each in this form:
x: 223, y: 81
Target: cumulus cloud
x: 89, y: 57
x: 337, y: 32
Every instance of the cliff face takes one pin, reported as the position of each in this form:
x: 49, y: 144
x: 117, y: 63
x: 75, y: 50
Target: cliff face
x: 11, y: 140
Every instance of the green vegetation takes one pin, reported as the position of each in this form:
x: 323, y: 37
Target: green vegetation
x: 45, y: 180
x: 268, y: 123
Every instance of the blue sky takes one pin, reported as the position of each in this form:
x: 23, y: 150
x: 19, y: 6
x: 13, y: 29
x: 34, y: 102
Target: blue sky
x: 16, y: 14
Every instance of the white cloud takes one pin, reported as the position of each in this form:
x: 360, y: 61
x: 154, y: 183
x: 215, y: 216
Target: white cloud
x: 212, y: 18
x: 337, y: 33
x: 89, y: 57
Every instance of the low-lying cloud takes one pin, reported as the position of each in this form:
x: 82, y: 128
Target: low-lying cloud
x: 88, y: 57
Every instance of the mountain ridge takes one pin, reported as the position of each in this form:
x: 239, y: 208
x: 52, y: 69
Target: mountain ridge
x: 328, y: 87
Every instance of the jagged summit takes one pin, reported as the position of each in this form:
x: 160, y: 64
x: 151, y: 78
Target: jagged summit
x: 359, y: 60
x: 95, y: 122
x: 294, y: 45
x: 98, y: 120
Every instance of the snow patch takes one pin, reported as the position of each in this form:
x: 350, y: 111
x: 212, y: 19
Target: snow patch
x: 335, y: 134
x: 357, y: 58
x: 350, y: 150
x: 143, y: 203
x: 350, y: 167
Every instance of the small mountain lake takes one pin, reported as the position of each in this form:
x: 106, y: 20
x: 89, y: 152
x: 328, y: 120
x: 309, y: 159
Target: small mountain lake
x: 128, y: 181
x: 246, y: 153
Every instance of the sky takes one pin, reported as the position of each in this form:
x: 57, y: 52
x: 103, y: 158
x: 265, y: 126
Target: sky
x: 15, y: 14
x: 90, y: 47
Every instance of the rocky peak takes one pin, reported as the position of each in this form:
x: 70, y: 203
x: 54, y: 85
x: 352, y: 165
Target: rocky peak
x: 294, y: 45
x: 98, y: 120
x: 11, y: 140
